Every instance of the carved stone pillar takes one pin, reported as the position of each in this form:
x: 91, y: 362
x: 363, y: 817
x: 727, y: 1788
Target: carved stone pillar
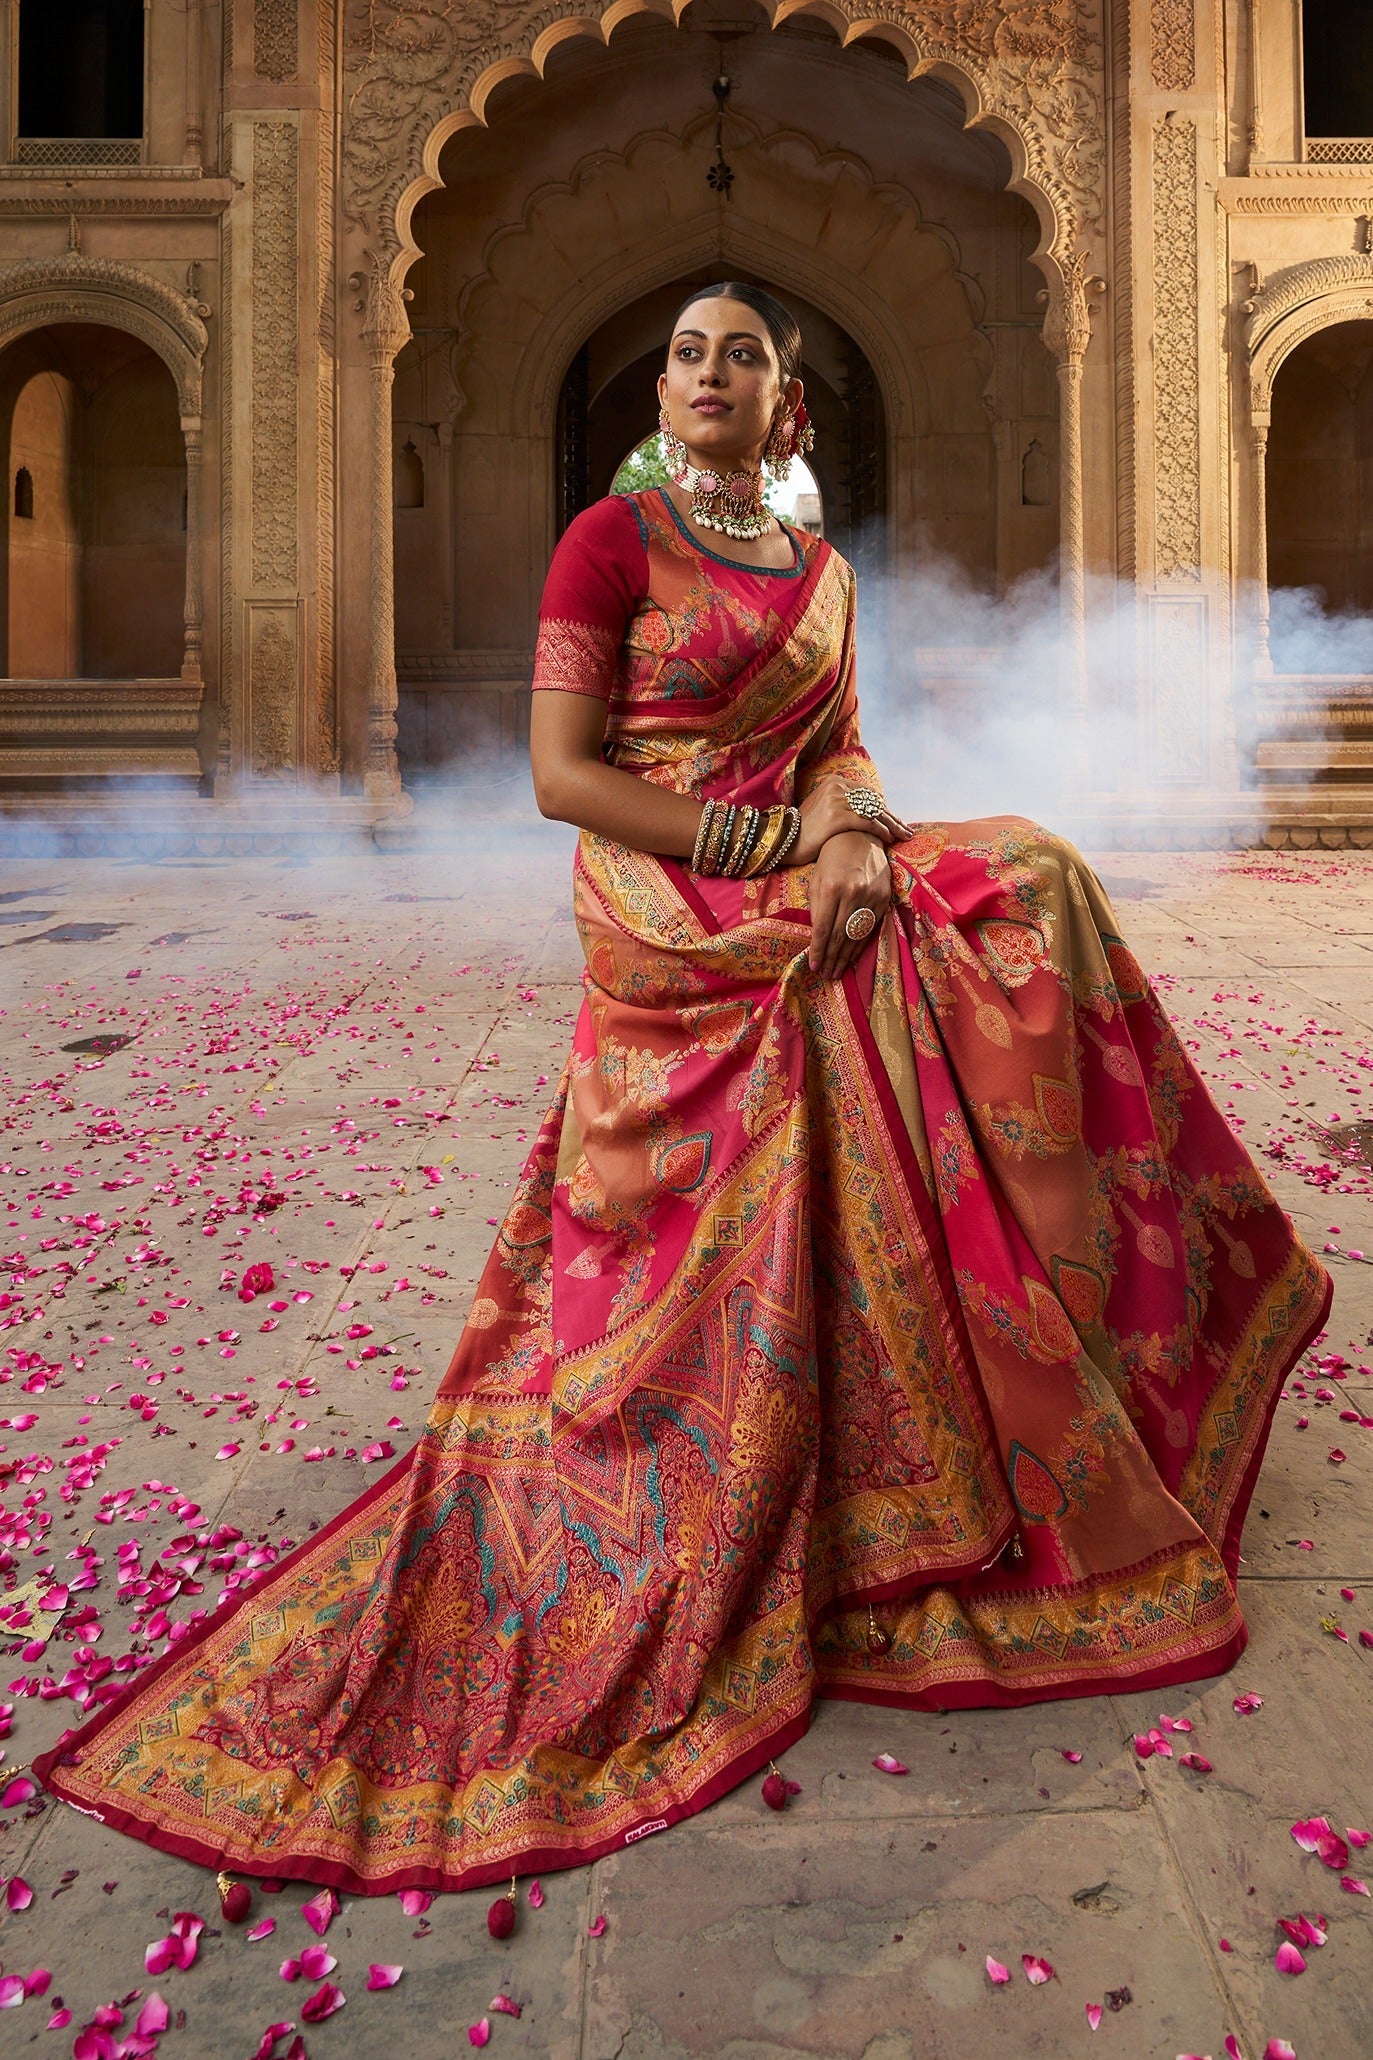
x: 193, y: 611
x: 1258, y: 459
x: 1067, y: 333
x: 385, y: 329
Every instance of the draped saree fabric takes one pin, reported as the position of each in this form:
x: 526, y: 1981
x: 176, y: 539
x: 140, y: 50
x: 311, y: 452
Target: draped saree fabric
x: 911, y: 1338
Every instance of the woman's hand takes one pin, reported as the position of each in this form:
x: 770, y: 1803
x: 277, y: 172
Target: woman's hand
x: 851, y: 872
x: 825, y: 813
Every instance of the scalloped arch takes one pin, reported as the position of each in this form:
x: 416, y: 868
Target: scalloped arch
x: 73, y: 288
x: 870, y: 308
x: 423, y: 74
x: 1295, y: 305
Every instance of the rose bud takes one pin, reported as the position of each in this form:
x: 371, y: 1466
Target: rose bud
x: 500, y: 1918
x: 235, y: 1899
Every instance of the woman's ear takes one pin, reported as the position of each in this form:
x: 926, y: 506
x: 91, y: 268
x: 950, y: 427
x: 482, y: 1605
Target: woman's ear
x: 662, y: 389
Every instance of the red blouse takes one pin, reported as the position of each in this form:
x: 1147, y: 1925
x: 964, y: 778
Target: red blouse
x: 635, y: 609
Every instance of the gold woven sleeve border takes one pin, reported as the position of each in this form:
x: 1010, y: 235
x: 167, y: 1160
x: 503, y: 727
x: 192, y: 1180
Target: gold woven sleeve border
x: 575, y: 658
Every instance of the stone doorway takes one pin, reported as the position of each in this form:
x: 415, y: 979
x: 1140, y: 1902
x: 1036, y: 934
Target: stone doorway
x: 567, y: 232
x: 1320, y: 479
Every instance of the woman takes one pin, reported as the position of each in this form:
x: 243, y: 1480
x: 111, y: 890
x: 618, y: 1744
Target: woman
x: 885, y: 1310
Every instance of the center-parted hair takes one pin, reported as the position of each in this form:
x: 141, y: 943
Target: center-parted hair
x: 781, y: 325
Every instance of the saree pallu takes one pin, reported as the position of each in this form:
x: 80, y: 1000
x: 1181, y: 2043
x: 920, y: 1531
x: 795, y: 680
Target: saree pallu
x: 911, y: 1338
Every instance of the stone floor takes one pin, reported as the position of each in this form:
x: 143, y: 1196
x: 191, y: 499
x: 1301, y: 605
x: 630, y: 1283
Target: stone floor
x: 327, y: 1030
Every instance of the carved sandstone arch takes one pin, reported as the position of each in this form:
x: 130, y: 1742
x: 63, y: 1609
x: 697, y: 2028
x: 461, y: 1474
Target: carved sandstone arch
x: 73, y: 288
x: 419, y: 71
x: 1292, y: 306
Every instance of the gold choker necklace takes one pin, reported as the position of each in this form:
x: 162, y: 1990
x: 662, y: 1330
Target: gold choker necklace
x: 731, y: 502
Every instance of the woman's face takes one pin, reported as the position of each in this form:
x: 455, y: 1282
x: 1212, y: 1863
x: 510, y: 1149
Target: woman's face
x: 722, y: 386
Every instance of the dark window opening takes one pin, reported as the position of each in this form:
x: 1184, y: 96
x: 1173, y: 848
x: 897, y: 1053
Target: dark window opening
x: 23, y: 494
x: 80, y: 68
x: 1337, y: 67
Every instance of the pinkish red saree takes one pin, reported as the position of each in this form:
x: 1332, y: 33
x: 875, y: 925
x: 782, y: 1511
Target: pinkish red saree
x: 912, y: 1338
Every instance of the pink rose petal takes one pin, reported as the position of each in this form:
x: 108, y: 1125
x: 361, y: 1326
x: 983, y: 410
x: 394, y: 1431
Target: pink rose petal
x: 160, y: 1956
x: 1197, y: 1762
x: 1359, y: 1838
x: 60, y: 2019
x: 1232, y: 2047
x: 1314, y: 1835
x: 20, y: 1791
x: 996, y: 1972
x: 595, y: 1928
x: 1144, y: 1746
x: 1288, y: 1960
x: 263, y: 1929
x: 887, y: 1763
x: 414, y: 1901
x: 316, y: 1962
x: 1037, y: 1971
x: 269, y: 2038
x: 1351, y: 1885
x: 382, y: 1975
x: 38, y: 1982
x: 18, y: 1894
x: 153, y: 2017
x: 321, y: 1910
x: 1074, y: 1759
x: 11, y: 1991
x: 1093, y: 2015
x: 504, y: 2006
x: 327, y: 1998
x: 536, y: 1895
x: 480, y: 2032
x: 1278, y: 2049
x: 1245, y: 1705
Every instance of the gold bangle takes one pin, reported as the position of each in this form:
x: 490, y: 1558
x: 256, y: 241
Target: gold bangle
x: 770, y: 836
x: 702, y: 835
x: 710, y: 860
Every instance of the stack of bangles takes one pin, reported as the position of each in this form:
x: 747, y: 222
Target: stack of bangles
x: 739, y: 842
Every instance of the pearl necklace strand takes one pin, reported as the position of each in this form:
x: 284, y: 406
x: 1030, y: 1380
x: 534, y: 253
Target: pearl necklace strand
x: 733, y: 505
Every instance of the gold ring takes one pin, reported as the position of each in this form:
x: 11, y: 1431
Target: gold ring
x: 860, y: 924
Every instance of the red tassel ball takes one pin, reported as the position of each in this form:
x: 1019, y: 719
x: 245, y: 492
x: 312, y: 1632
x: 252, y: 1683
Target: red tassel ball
x: 775, y: 1791
x: 235, y: 1900
x: 500, y: 1918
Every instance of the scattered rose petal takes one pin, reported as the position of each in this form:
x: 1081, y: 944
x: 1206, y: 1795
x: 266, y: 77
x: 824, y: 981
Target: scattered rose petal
x: 262, y: 1929
x: 504, y: 2007
x: 153, y: 2018
x: 480, y: 2032
x: 887, y: 1763
x: 321, y: 1910
x: 382, y: 1975
x: 1288, y: 1960
x: 1314, y: 1835
x: 996, y: 1972
x: 11, y: 1991
x: 269, y: 2039
x: 1093, y: 2015
x: 19, y: 1791
x: 596, y: 1927
x: 1359, y: 1838
x: 1144, y: 1746
x: 536, y: 1895
x: 1351, y: 1885
x: 1198, y: 1763
x: 1245, y: 1705
x: 1074, y: 1759
x: 327, y: 1998
x: 415, y: 1901
x: 1232, y: 2047
x: 1037, y: 1971
x: 1278, y: 2049
x: 18, y: 1894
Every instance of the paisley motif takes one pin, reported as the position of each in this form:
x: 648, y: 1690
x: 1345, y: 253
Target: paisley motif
x: 1038, y: 1494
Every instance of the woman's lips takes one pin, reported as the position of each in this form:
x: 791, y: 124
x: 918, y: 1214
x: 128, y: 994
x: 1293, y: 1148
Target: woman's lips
x: 710, y: 407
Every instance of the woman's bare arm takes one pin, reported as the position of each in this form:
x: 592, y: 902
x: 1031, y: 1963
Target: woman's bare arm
x: 572, y: 784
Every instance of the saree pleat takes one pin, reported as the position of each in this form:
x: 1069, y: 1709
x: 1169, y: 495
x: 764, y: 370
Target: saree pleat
x: 911, y: 1338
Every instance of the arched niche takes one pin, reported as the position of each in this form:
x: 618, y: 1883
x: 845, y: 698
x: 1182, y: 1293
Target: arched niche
x: 1320, y: 480
x: 95, y: 576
